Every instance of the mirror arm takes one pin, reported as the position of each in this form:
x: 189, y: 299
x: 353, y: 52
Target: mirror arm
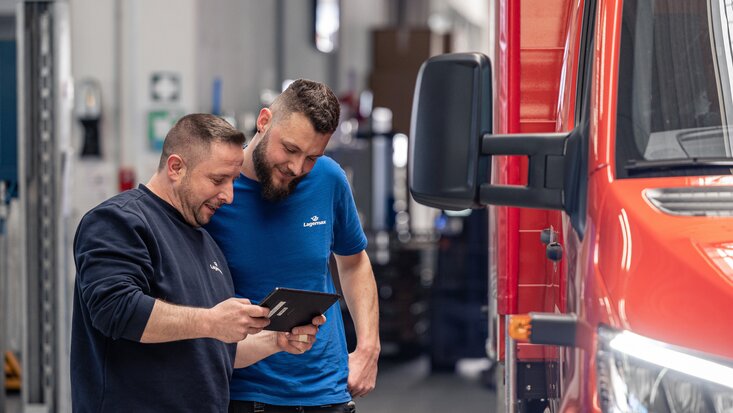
x: 546, y: 153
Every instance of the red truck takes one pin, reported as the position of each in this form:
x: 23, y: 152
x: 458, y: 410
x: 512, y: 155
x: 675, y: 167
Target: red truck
x: 614, y: 292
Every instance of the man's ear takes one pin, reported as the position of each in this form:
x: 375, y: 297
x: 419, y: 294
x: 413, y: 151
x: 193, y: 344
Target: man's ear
x: 263, y: 120
x: 175, y: 168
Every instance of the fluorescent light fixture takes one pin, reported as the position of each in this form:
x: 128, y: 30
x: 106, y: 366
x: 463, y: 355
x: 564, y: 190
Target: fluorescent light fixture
x: 327, y: 25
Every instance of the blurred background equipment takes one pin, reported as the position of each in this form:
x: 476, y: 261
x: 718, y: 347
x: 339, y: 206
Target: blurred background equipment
x: 88, y: 109
x: 459, y: 294
x: 12, y: 372
x: 44, y: 141
x: 8, y: 187
x: 432, y: 297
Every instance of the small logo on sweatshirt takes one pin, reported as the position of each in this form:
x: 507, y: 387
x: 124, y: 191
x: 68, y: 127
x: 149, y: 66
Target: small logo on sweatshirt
x: 215, y: 266
x: 314, y: 221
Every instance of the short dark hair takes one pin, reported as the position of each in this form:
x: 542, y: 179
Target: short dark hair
x: 193, y: 134
x: 314, y: 100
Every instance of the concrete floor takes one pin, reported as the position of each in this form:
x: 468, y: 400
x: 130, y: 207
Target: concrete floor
x: 409, y: 387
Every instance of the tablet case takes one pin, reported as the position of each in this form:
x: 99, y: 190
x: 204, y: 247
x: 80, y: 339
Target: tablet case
x: 291, y: 308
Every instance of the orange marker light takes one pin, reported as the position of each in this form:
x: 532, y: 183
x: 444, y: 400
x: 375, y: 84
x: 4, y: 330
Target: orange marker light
x: 520, y: 327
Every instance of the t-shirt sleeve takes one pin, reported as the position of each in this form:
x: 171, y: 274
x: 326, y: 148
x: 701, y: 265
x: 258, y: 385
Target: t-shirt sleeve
x: 114, y: 270
x: 348, y: 237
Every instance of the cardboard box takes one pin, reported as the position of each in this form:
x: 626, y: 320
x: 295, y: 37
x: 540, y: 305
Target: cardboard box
x: 397, y: 56
x: 394, y: 90
x: 405, y: 49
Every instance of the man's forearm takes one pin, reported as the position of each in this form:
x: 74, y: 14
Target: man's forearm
x: 170, y: 322
x: 255, y: 347
x: 360, y: 293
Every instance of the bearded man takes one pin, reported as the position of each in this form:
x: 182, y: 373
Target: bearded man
x: 292, y: 209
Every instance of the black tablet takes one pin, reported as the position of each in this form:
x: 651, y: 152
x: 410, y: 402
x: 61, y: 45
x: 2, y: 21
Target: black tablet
x: 291, y: 308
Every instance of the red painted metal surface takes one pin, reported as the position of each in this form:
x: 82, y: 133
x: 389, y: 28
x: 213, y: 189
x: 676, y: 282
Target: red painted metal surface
x: 505, y: 220
x: 661, y: 270
x: 639, y: 269
x: 586, y: 291
x: 529, y: 61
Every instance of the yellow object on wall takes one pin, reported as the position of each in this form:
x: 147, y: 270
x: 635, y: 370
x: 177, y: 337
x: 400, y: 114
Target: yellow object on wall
x: 12, y: 372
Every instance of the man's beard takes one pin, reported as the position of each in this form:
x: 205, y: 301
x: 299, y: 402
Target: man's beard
x: 263, y: 170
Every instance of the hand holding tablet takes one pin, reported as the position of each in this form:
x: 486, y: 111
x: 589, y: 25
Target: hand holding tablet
x: 291, y: 307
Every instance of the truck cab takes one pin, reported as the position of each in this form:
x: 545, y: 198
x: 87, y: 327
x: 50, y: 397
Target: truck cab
x: 638, y: 168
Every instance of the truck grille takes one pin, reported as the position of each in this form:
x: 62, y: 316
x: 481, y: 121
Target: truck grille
x: 697, y: 201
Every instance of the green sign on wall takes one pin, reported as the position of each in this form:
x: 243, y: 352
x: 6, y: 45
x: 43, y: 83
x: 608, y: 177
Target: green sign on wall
x: 160, y: 121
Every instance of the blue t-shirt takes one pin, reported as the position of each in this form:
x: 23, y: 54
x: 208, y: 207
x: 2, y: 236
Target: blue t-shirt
x: 288, y: 244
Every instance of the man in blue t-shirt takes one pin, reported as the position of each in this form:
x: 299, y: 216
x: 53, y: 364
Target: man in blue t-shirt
x: 292, y: 208
x: 154, y: 325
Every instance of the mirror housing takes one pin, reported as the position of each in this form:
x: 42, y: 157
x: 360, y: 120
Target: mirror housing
x: 451, y: 143
x: 451, y: 110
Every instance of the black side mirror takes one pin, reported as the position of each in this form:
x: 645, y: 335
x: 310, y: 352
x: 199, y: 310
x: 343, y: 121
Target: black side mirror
x: 451, y: 111
x: 451, y: 144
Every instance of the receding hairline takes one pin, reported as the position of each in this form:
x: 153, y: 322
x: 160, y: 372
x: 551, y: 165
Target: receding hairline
x: 191, y: 138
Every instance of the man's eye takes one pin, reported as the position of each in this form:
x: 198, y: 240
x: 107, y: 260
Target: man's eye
x: 217, y: 181
x: 290, y: 150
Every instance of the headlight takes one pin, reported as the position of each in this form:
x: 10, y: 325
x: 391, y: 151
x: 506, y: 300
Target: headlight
x: 637, y: 374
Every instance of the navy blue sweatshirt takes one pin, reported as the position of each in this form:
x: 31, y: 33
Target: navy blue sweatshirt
x: 130, y: 250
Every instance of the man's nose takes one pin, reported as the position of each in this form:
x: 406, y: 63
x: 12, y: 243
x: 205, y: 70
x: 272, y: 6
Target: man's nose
x: 296, y: 166
x: 227, y: 195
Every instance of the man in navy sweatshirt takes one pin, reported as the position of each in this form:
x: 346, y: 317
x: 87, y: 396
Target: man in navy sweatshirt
x: 155, y: 327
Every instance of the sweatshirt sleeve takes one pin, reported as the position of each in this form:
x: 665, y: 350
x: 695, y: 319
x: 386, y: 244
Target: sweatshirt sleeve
x: 114, y: 271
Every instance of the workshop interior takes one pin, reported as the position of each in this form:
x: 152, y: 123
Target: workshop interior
x: 545, y: 185
x: 90, y: 89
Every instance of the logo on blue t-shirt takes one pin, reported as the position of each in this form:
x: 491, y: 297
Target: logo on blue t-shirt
x: 314, y: 221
